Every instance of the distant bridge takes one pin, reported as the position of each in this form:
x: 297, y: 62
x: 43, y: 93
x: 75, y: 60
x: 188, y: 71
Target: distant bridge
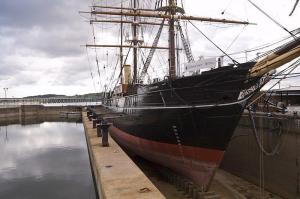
x: 52, y: 100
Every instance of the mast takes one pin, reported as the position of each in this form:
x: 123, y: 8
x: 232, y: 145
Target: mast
x: 172, y: 53
x: 121, y: 47
x: 135, y: 42
x: 167, y: 16
x: 170, y: 12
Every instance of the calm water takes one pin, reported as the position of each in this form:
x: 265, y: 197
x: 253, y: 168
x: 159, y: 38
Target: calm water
x: 48, y: 160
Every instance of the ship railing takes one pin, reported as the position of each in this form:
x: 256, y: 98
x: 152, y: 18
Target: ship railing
x: 162, y: 98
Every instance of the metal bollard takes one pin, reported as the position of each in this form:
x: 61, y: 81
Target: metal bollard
x: 95, y: 121
x: 104, y: 130
x: 90, y: 117
x: 99, y: 134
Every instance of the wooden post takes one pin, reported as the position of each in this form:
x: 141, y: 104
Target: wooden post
x: 104, y: 130
x: 99, y: 133
x: 95, y: 121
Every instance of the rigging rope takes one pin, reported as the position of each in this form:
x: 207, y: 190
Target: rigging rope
x: 233, y: 60
x: 273, y: 50
x: 272, y: 19
x: 96, y: 54
x: 264, y: 46
x: 186, y: 44
x: 152, y: 51
x: 114, y: 72
x: 92, y: 76
x: 267, y: 45
x: 236, y: 38
x: 259, y: 140
x: 292, y: 67
x: 294, y: 8
x: 122, y: 69
x: 223, y: 12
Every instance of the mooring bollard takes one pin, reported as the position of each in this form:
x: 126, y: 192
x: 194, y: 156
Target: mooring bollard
x: 90, y: 117
x: 104, y: 129
x: 99, y: 134
x: 95, y: 121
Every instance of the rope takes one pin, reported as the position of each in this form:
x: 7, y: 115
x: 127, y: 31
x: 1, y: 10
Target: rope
x: 272, y: 19
x: 89, y: 61
x: 292, y: 67
x: 259, y: 140
x: 234, y: 61
x: 114, y: 72
x: 96, y: 54
x: 267, y: 45
x: 296, y: 3
x: 223, y: 12
x: 236, y: 38
x: 122, y: 69
x: 260, y: 143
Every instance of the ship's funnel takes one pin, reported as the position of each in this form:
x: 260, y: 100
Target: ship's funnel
x: 280, y: 57
x: 127, y: 74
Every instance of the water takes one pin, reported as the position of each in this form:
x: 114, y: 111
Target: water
x: 47, y: 160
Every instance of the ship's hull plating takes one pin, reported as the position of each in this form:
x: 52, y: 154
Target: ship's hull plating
x: 181, y: 125
x: 190, y: 141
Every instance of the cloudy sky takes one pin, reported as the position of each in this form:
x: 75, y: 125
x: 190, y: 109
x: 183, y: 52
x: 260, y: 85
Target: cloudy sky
x: 40, y: 40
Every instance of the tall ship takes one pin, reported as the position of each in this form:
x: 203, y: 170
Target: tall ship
x: 185, y: 120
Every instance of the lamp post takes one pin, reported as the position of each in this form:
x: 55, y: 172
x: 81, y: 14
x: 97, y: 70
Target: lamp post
x: 5, y: 91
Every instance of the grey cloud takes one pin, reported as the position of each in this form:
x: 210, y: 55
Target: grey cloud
x: 52, y: 27
x: 22, y: 79
x: 74, y: 72
x: 42, y: 29
x: 44, y: 13
x: 52, y: 42
x: 7, y: 69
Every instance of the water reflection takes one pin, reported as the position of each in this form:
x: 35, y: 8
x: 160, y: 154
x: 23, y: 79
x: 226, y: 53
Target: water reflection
x: 5, y: 134
x: 47, y: 160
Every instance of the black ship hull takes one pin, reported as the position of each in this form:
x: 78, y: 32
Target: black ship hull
x: 184, y: 124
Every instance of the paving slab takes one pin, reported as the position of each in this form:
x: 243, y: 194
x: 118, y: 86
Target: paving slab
x: 116, y: 175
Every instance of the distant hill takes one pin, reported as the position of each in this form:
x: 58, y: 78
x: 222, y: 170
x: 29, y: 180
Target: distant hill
x: 90, y: 95
x: 44, y: 96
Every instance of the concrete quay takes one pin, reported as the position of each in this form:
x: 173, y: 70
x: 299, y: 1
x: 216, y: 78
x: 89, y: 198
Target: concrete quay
x: 23, y: 113
x: 116, y: 175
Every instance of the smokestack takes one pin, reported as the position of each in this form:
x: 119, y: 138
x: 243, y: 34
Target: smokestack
x: 127, y: 74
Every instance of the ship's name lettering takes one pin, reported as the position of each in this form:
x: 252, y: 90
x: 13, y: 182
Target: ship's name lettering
x: 246, y: 93
x: 153, y: 87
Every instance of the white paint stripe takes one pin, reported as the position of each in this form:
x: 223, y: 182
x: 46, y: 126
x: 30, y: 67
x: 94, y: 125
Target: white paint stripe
x: 180, y: 107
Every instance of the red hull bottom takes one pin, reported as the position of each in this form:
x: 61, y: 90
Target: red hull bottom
x: 197, y: 164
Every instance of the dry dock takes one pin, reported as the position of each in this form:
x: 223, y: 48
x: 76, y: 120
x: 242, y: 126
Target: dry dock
x: 279, y: 170
x: 115, y: 173
x: 118, y: 176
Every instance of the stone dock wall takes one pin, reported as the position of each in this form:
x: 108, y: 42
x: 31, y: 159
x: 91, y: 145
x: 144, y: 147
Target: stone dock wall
x: 21, y: 113
x: 278, y: 172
